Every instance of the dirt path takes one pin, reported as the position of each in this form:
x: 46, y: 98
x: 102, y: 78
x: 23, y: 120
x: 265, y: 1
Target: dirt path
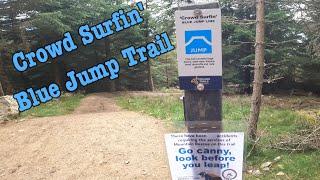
x: 96, y: 103
x: 98, y: 141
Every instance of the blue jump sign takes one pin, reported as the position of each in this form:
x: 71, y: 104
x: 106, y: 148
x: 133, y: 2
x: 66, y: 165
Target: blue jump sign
x: 199, y: 49
x: 198, y: 42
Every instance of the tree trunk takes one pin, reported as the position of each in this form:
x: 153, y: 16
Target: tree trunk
x: 112, y: 83
x: 167, y: 73
x: 57, y: 74
x: 258, y: 71
x: 112, y: 86
x: 3, y: 78
x: 150, y: 80
x: 1, y: 90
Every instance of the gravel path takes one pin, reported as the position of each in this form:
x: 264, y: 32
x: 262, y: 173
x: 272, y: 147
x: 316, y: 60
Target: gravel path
x: 98, y: 141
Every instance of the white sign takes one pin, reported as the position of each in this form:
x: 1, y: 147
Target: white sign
x: 199, y: 48
x: 205, y: 155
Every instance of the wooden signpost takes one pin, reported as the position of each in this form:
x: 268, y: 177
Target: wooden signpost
x: 199, y: 51
x: 205, y: 152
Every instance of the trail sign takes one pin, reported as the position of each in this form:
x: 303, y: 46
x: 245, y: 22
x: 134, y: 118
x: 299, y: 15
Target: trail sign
x: 199, y: 49
x: 204, y: 152
x: 205, y: 155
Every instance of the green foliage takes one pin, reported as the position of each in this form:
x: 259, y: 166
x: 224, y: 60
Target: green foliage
x: 164, y: 68
x: 51, y: 22
x: 165, y: 72
x: 48, y: 20
x: 292, y: 44
x: 287, y: 56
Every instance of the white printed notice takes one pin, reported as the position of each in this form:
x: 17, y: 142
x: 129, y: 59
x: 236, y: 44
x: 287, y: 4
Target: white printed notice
x: 205, y: 155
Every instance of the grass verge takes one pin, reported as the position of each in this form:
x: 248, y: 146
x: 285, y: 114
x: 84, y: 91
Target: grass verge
x: 274, y: 123
x: 62, y: 106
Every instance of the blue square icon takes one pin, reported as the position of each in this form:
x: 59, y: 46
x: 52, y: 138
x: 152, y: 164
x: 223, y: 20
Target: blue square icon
x: 198, y: 42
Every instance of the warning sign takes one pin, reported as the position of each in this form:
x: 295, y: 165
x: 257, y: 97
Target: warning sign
x: 205, y: 155
x: 199, y: 48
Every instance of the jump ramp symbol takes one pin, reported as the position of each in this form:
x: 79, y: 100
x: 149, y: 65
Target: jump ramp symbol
x: 198, y: 42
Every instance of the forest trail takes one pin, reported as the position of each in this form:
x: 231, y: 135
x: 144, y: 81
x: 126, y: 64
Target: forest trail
x: 98, y: 141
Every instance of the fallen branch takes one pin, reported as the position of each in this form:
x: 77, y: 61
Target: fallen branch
x: 253, y: 147
x: 304, y: 140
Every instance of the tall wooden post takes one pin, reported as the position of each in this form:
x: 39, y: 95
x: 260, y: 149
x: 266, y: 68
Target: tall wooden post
x: 199, y: 55
x: 258, y: 71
